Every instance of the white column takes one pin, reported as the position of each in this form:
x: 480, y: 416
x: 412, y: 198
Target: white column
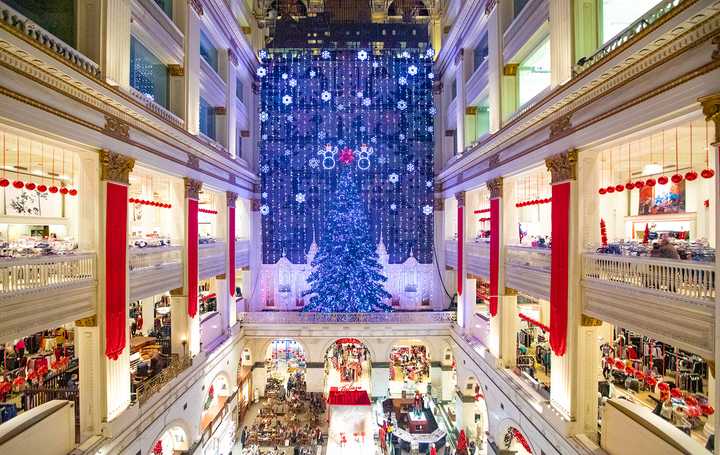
x: 440, y: 300
x: 231, y: 104
x: 223, y: 300
x: 185, y: 332
x: 148, y: 314
x: 495, y: 68
x: 87, y: 343
x: 192, y: 68
x: 255, y: 253
x: 462, y: 65
x: 448, y: 383
x: 561, y: 41
x: 469, y: 298
x: 87, y: 204
x: 115, y: 38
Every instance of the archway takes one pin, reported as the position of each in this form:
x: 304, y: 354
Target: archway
x: 409, y: 368
x: 347, y: 365
x: 244, y: 381
x: 285, y: 361
x: 215, y: 398
x: 173, y: 441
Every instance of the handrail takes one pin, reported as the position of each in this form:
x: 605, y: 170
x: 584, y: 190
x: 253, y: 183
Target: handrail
x: 142, y: 258
x: 30, y: 273
x: 145, y: 389
x: 285, y: 317
x: 640, y: 25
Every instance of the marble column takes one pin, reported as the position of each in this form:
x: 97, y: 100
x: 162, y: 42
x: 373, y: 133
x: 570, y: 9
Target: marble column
x: 462, y: 66
x: 115, y: 42
x: 180, y: 323
x: 114, y: 178
x: 193, y: 11
x: 231, y: 101
x: 148, y: 314
x: 223, y: 300
x: 87, y: 344
x: 561, y: 41
x: 448, y: 382
x: 495, y: 65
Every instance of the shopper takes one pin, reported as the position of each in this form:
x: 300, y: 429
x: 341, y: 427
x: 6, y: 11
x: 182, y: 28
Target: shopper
x: 667, y: 250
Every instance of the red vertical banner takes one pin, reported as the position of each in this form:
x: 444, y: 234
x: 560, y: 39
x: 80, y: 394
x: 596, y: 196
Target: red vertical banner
x: 231, y: 250
x: 494, y: 254
x: 192, y: 256
x: 461, y: 240
x: 559, y: 267
x: 116, y: 225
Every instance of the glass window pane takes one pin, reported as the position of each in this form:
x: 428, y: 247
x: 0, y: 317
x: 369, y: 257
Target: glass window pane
x: 482, y: 117
x: 207, y: 119
x: 166, y: 6
x: 534, y: 73
x: 481, y: 52
x: 208, y: 51
x: 518, y: 6
x: 148, y: 75
x: 239, y: 89
x: 55, y: 16
x: 617, y: 15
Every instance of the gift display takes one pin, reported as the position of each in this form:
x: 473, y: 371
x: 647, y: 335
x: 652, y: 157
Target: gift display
x: 37, y: 246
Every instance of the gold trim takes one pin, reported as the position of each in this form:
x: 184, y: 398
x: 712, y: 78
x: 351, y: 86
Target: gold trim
x: 90, y: 321
x: 589, y: 321
x: 711, y: 109
x: 561, y: 126
x: 176, y: 70
x: 562, y: 166
x: 255, y: 205
x: 510, y: 292
x: 192, y: 188
x: 222, y: 276
x: 495, y: 186
x: 471, y: 110
x: 115, y: 167
x: 460, y: 198
x: 116, y: 128
x: 510, y: 69
x: 231, y: 199
x: 439, y: 204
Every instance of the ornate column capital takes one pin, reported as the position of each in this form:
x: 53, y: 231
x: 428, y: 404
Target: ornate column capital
x: 495, y: 186
x: 460, y: 197
x: 231, y: 199
x: 510, y: 291
x: 192, y: 188
x: 115, y: 167
x: 589, y: 321
x: 176, y: 70
x: 439, y: 204
x: 563, y: 166
x: 90, y: 321
x: 711, y: 109
x: 255, y: 204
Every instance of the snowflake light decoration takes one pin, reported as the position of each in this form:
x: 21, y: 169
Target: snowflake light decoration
x: 265, y: 168
x: 264, y: 209
x: 292, y: 82
x: 263, y: 53
x: 373, y: 140
x: 340, y: 107
x: 393, y: 206
x: 325, y: 55
x: 376, y: 65
x: 325, y: 96
x: 402, y: 105
x: 402, y: 80
x: 314, y: 163
x: 261, y: 72
x: 430, y: 52
x: 312, y: 73
x: 394, y: 178
x: 412, y: 70
x: 382, y: 160
x: 401, y: 136
x: 427, y: 210
x: 432, y: 110
x: 264, y: 195
x: 431, y: 76
x: 264, y: 116
x: 300, y: 198
x: 366, y: 102
x: 430, y: 129
x: 429, y: 183
x: 289, y: 118
x: 406, y: 54
x: 287, y: 152
x: 359, y: 94
x: 321, y: 135
x: 362, y: 55
x: 284, y: 76
x: 410, y: 167
x: 287, y: 100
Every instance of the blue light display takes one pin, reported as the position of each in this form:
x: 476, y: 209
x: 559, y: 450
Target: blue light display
x: 317, y: 108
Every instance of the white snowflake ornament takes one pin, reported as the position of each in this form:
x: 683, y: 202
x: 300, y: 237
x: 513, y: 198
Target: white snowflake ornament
x: 402, y: 80
x: 264, y: 116
x: 264, y: 195
x: 402, y: 105
x: 430, y: 129
x: 359, y: 94
x: 412, y: 70
x: 292, y: 82
x: 432, y: 110
x: 300, y: 198
x: 428, y: 183
x: 393, y: 206
x: 325, y: 96
x: 430, y: 52
x: 284, y: 76
x: 406, y: 54
x: 410, y: 167
x: 287, y: 100
x: 366, y: 101
x: 375, y: 65
x: 264, y: 168
x: 312, y: 73
x: 362, y: 55
x: 325, y: 55
x: 264, y: 210
x: 431, y: 76
x: 261, y: 72
x: 394, y: 178
x: 314, y: 163
x: 427, y: 210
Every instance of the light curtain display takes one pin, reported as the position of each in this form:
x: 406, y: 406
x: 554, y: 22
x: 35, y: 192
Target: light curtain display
x: 314, y: 110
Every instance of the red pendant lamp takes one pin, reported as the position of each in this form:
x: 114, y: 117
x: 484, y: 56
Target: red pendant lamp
x: 42, y: 187
x: 18, y: 184
x: 4, y: 182
x: 691, y: 174
x: 676, y: 177
x: 707, y: 173
x: 602, y: 189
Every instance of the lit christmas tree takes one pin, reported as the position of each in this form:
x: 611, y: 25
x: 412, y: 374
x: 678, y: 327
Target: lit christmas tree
x: 346, y: 276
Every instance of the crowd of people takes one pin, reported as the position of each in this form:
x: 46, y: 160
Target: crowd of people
x: 409, y: 362
x: 348, y: 358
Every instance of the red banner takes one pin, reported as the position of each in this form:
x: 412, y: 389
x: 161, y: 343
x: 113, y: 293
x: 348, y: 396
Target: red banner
x: 192, y: 257
x: 559, y: 267
x: 231, y: 251
x: 460, y: 273
x: 116, y: 222
x: 494, y: 254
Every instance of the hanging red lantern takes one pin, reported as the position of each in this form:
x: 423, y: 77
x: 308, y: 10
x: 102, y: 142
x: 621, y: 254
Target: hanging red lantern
x: 691, y: 175
x: 639, y: 184
x: 5, y: 182
x: 676, y: 178
x: 131, y: 200
x: 619, y: 188
x: 30, y: 186
x: 169, y: 206
x: 18, y: 184
x: 650, y: 182
x: 42, y: 188
x: 73, y: 192
x: 629, y: 186
x: 707, y: 173
x: 53, y: 189
x: 602, y: 191
x: 662, y: 180
x: 611, y: 189
x: 63, y: 191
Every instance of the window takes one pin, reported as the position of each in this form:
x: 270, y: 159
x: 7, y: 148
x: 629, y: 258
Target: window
x: 148, y: 74
x: 482, y: 118
x: 534, y: 73
x: 55, y: 16
x: 518, y: 6
x: 480, y: 52
x: 453, y: 89
x: 207, y: 119
x: 239, y: 89
x: 166, y: 6
x: 208, y: 51
x: 238, y: 143
x: 617, y: 15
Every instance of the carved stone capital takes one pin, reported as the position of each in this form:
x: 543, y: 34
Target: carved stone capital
x: 560, y: 126
x: 510, y: 291
x: 192, y: 188
x: 495, y: 186
x: 116, y: 128
x: 231, y: 199
x: 197, y: 6
x: 471, y: 110
x: 460, y: 197
x: 255, y: 204
x: 115, y: 167
x: 176, y: 70
x: 222, y: 276
x: 589, y: 321
x: 439, y: 204
x: 220, y: 110
x: 177, y: 292
x: 193, y: 162
x: 510, y: 69
x: 90, y: 321
x: 489, y: 6
x: 716, y: 52
x: 711, y: 109
x: 563, y: 166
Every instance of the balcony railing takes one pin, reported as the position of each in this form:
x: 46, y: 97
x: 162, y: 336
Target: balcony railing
x: 36, y: 396
x: 211, y: 330
x: 642, y: 24
x: 143, y: 258
x: 212, y: 259
x: 285, y: 317
x: 242, y: 253
x: 144, y: 390
x: 22, y: 275
x: 537, y: 259
x: 673, y: 278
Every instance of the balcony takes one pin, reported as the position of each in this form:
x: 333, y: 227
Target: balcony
x: 212, y: 259
x: 242, y: 253
x: 289, y: 317
x: 477, y: 257
x: 633, y: 291
x: 528, y: 270
x: 147, y: 388
x: 154, y: 270
x: 25, y: 284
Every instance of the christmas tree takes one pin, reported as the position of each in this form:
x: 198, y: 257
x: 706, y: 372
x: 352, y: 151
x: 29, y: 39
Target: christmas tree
x: 346, y: 275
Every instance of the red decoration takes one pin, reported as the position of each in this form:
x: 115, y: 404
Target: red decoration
x: 646, y: 234
x: 664, y: 386
x: 619, y: 188
x: 619, y: 364
x: 63, y: 191
x: 559, y: 267
x: 676, y: 178
x: 462, y: 442
x: 534, y: 322
x: 691, y: 400
x: 675, y: 393
x: 30, y: 186
x: 602, y: 191
x: 192, y: 256
x: 662, y: 180
x: 521, y: 439
x: 611, y: 189
x: 707, y: 409
x: 629, y: 186
x: 231, y: 250
x: 157, y: 448
x: 650, y: 381
x: 650, y: 182
x: 603, y: 232
x: 346, y: 156
x: 494, y: 255
x: 355, y: 397
x: 639, y: 184
x: 706, y: 203
x: 73, y: 192
x: 481, y: 211
x: 707, y: 173
x: 211, y: 212
x: 691, y: 175
x: 116, y: 222
x: 42, y: 188
x: 461, y: 241
x: 18, y: 184
x: 4, y: 182
x: 53, y: 189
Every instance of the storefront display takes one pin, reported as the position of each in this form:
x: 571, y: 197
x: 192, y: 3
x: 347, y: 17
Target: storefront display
x: 533, y: 352
x: 347, y: 361
x: 409, y: 369
x: 285, y: 363
x: 151, y: 220
x: 533, y: 204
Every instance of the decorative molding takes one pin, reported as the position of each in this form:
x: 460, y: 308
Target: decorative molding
x: 176, y: 70
x: 471, y: 110
x: 459, y: 56
x: 493, y: 161
x: 232, y: 57
x: 490, y: 6
x: 716, y: 52
x: 193, y: 162
x: 90, y: 321
x: 116, y: 127
x: 192, y: 188
x: 510, y: 291
x: 562, y: 166
x: 197, y: 6
x: 222, y: 276
x: 439, y: 204
x: 589, y: 321
x: 244, y: 133
x: 460, y: 197
x: 711, y: 109
x: 115, y: 167
x: 255, y: 204
x: 437, y: 88
x: 177, y: 292
x: 220, y: 110
x: 510, y: 69
x: 495, y: 186
x: 231, y: 199
x: 561, y: 126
